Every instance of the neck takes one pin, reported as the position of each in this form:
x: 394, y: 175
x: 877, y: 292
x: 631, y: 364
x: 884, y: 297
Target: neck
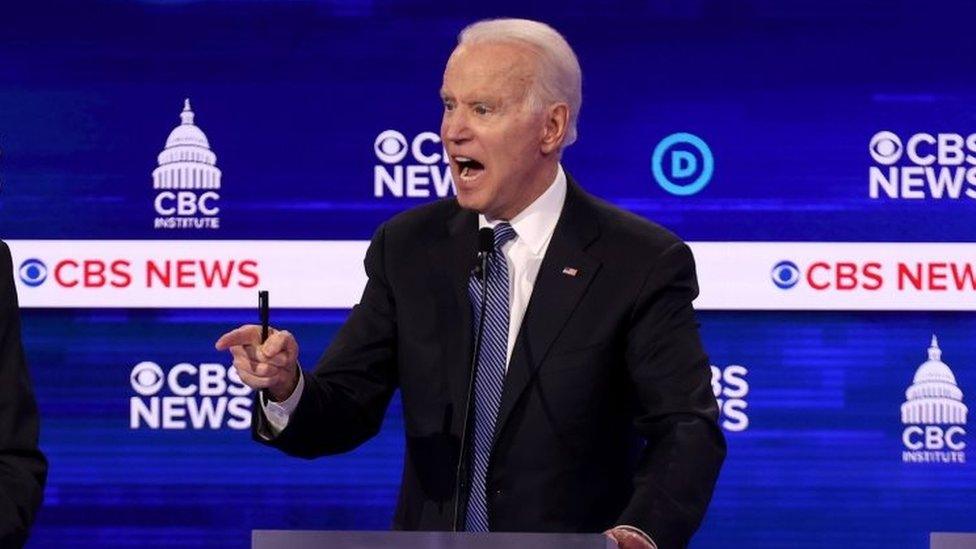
x: 538, y: 184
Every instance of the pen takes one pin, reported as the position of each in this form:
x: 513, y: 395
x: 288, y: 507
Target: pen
x: 264, y: 313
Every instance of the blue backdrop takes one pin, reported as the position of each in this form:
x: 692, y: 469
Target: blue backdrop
x: 788, y: 96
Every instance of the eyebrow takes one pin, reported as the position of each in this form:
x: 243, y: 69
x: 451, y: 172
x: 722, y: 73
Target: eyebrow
x: 482, y: 100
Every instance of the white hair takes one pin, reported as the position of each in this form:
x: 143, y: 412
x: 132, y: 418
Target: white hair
x: 559, y: 78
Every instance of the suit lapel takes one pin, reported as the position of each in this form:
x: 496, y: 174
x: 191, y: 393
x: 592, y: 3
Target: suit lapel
x: 457, y: 253
x: 564, y: 276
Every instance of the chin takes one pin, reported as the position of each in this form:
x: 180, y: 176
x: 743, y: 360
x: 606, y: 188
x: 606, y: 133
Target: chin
x: 467, y: 202
x: 472, y: 200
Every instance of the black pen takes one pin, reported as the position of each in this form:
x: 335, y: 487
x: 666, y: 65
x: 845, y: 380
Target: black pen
x: 264, y: 313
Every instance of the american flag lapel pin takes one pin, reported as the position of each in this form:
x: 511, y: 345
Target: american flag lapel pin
x: 570, y: 271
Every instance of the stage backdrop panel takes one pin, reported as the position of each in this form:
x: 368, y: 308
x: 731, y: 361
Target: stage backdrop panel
x: 160, y: 162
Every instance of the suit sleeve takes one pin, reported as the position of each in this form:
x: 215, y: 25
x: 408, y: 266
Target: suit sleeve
x: 678, y: 414
x: 23, y: 468
x: 346, y: 396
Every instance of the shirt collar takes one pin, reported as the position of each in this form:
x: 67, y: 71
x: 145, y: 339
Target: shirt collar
x: 535, y: 224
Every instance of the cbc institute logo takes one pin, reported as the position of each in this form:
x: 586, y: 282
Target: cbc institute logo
x: 933, y: 414
x: 187, y: 180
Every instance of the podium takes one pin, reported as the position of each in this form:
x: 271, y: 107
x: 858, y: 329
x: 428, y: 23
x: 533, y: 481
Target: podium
x: 314, y: 539
x: 952, y: 540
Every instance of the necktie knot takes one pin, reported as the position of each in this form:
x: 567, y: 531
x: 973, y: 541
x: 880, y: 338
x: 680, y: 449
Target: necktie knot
x: 503, y: 233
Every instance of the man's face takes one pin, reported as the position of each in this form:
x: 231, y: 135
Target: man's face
x: 491, y: 134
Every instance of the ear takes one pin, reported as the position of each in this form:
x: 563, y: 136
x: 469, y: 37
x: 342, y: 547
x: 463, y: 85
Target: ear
x: 554, y: 131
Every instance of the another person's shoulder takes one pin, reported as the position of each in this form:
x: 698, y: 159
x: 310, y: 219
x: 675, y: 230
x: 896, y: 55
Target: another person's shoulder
x: 8, y: 295
x: 6, y: 262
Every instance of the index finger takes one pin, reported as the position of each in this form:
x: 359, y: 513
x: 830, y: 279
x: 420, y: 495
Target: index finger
x: 249, y: 334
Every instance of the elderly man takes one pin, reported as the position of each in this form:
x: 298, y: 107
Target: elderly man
x: 590, y: 403
x: 23, y: 468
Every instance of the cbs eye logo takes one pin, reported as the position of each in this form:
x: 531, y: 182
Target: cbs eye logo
x: 885, y: 148
x: 147, y: 378
x: 785, y: 275
x: 390, y: 146
x: 32, y: 272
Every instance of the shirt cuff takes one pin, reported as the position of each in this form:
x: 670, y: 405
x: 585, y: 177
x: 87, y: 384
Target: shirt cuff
x: 278, y: 413
x: 638, y: 531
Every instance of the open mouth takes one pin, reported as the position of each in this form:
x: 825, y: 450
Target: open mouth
x: 468, y: 168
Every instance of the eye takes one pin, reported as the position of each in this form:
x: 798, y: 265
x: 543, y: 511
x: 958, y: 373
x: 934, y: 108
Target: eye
x: 481, y: 109
x: 448, y: 106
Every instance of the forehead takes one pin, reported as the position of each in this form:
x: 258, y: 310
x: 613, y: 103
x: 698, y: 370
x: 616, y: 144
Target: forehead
x: 500, y: 69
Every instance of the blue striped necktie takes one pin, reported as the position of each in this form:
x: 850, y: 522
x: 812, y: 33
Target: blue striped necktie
x: 489, y: 375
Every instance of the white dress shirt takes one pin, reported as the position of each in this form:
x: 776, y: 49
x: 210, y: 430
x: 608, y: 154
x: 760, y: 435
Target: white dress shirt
x: 533, y: 228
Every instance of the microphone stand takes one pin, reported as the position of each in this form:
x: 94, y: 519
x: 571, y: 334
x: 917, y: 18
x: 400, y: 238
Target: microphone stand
x: 481, y: 270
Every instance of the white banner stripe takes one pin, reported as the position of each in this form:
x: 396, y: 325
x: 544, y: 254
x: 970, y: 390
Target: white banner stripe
x: 329, y: 274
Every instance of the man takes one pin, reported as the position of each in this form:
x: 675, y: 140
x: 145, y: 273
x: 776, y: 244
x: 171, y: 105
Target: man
x: 591, y: 406
x: 23, y: 468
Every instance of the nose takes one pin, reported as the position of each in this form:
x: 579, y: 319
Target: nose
x: 454, y: 127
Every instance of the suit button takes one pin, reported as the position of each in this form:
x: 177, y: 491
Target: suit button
x: 498, y: 493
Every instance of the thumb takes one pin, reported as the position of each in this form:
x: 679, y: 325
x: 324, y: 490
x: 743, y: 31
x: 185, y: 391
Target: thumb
x: 277, y: 342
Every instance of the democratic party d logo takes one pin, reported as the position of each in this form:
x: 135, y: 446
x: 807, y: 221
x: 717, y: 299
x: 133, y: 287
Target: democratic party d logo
x: 682, y: 164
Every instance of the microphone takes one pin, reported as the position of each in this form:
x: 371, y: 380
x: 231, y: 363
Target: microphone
x: 486, y: 243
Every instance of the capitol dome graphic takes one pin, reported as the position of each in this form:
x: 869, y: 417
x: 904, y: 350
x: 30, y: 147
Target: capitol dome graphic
x: 187, y: 161
x: 934, y: 397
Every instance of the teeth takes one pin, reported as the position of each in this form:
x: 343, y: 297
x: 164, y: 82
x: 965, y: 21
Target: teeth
x: 466, y: 166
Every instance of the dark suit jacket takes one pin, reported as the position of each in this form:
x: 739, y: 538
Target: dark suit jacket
x: 607, y: 414
x: 23, y: 468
